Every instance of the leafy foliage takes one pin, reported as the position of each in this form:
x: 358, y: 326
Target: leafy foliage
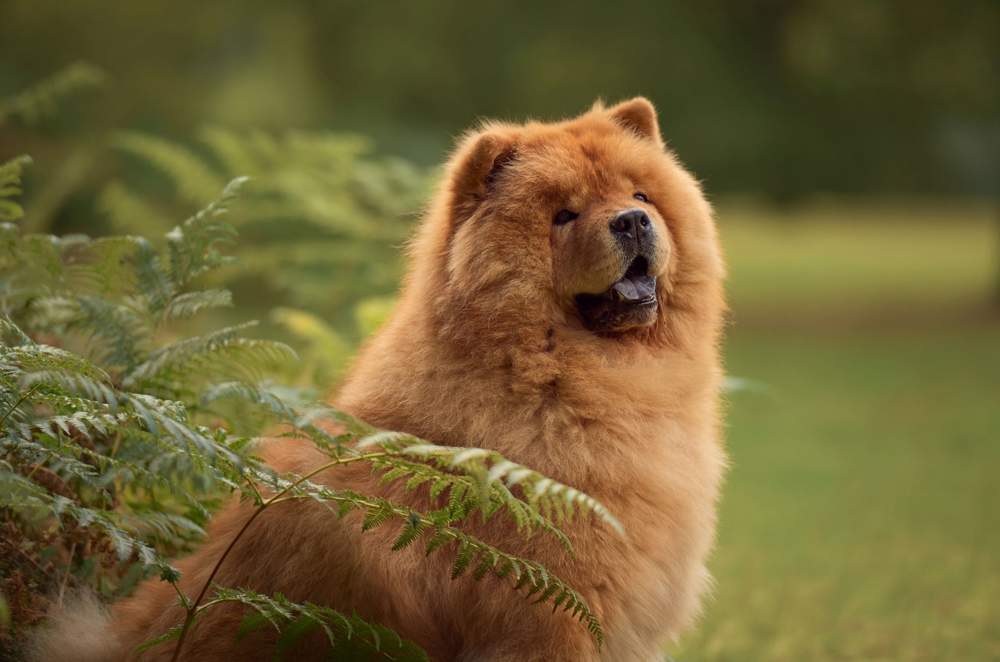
x: 120, y: 433
x: 42, y: 99
x: 319, y: 203
x: 349, y: 635
x: 10, y: 186
x: 492, y: 472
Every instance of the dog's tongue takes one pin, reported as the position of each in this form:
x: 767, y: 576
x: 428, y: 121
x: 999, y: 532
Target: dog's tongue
x: 634, y: 288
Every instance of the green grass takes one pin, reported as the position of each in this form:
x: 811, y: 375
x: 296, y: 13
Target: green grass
x: 861, y: 518
x: 861, y: 257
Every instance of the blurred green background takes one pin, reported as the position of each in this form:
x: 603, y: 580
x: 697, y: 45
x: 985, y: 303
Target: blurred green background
x: 853, y: 153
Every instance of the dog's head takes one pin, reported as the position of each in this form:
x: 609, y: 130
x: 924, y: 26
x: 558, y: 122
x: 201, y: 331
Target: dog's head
x: 589, y: 224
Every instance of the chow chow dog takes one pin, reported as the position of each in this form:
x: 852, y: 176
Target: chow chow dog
x: 563, y: 306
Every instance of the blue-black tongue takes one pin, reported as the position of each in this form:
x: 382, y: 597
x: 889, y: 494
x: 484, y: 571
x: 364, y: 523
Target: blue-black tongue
x: 634, y: 288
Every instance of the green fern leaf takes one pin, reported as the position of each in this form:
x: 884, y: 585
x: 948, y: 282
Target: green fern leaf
x: 195, y: 180
x: 466, y: 553
x: 41, y: 99
x: 376, y: 516
x: 190, y: 304
x: 10, y: 186
x: 412, y: 529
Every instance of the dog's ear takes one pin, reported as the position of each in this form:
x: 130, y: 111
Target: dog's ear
x: 478, y: 163
x: 638, y: 115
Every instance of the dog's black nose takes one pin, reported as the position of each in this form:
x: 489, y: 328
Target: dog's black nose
x: 632, y: 226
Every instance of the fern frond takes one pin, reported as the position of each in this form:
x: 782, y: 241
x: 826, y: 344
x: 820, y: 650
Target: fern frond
x: 221, y: 354
x: 22, y: 495
x: 118, y: 329
x: 10, y: 186
x: 11, y: 334
x: 195, y: 180
x: 490, y: 467
x: 244, y: 359
x: 41, y: 99
x: 102, y: 267
x: 470, y: 550
x: 37, y: 358
x: 180, y: 351
x: 465, y: 495
x: 169, y: 420
x: 152, y: 282
x: 190, y: 304
x: 194, y: 244
x: 249, y: 393
x: 47, y: 375
x: 347, y: 635
x: 72, y: 383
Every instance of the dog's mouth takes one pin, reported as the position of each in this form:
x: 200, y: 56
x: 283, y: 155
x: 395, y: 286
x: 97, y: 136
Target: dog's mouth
x: 629, y: 302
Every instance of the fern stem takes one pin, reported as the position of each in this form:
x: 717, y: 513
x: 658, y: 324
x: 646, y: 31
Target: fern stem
x: 114, y: 446
x: 66, y: 575
x: 13, y: 407
x: 192, y: 609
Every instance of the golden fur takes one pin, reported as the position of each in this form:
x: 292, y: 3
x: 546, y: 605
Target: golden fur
x: 485, y: 348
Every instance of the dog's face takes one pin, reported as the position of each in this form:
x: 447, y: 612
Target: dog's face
x: 610, y: 245
x: 585, y: 217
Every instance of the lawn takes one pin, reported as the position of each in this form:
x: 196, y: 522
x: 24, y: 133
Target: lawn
x: 861, y: 519
x: 827, y: 259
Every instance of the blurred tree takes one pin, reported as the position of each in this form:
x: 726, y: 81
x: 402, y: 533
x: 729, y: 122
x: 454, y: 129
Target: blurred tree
x: 779, y: 97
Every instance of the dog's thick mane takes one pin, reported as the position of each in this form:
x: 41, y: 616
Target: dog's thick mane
x: 501, y: 318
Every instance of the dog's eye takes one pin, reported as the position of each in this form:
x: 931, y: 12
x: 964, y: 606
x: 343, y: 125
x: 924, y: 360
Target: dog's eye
x: 564, y: 217
x: 640, y: 196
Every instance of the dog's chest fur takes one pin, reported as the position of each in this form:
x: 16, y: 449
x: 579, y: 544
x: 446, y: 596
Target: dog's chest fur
x: 657, y: 472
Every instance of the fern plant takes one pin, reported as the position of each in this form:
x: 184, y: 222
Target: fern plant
x: 319, y: 203
x: 119, y: 434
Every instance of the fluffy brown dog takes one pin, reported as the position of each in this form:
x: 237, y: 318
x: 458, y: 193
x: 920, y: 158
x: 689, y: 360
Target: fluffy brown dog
x: 563, y: 307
